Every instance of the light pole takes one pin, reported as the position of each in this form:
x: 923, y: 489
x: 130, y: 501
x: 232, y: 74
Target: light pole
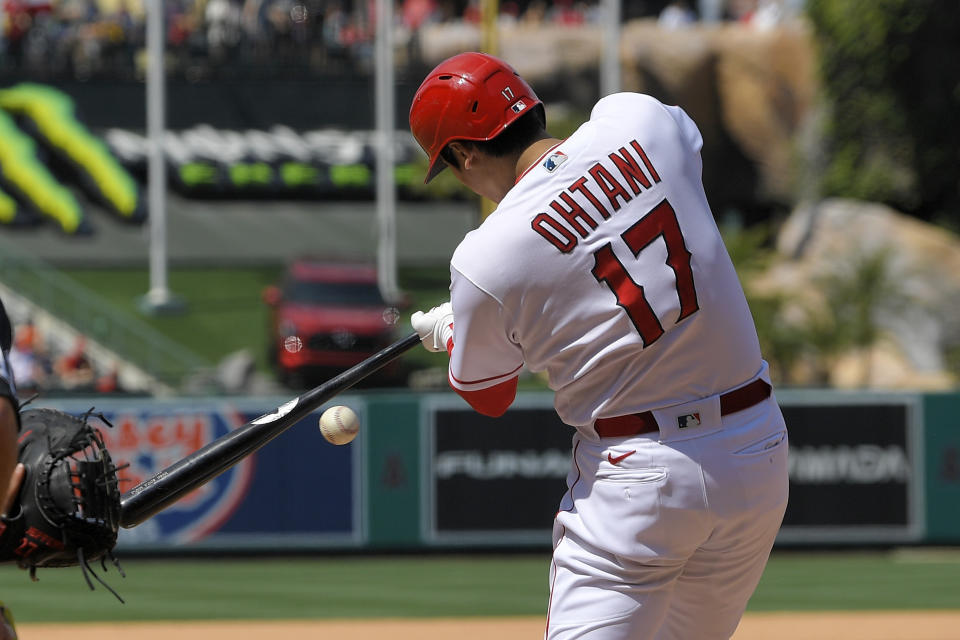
x: 385, y: 136
x: 158, y: 299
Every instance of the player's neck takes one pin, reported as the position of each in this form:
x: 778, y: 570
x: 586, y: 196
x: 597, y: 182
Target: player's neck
x: 532, y: 153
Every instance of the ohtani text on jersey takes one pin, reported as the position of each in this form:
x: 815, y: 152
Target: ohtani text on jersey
x: 632, y: 172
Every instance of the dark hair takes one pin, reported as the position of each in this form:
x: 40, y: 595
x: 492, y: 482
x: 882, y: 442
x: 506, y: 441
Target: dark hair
x: 519, y: 135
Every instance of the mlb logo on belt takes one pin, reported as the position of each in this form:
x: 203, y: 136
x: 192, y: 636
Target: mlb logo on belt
x: 689, y: 420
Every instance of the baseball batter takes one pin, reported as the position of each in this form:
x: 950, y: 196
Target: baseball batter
x: 603, y: 267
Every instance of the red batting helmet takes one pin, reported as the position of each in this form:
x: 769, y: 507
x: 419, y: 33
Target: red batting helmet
x: 471, y: 96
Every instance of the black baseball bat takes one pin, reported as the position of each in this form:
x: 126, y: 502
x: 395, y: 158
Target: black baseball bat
x: 166, y: 487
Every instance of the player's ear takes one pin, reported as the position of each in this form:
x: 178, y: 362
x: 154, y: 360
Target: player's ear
x: 463, y: 154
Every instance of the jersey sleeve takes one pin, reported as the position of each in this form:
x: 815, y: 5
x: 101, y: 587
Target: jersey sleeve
x: 688, y: 128
x: 483, y: 355
x: 7, y: 387
x: 625, y: 106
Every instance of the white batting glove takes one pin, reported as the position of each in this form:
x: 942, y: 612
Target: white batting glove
x: 434, y: 327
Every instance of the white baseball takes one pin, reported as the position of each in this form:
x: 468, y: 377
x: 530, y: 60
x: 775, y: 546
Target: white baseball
x: 339, y: 425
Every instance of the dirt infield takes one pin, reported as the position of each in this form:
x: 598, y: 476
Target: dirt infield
x: 928, y: 625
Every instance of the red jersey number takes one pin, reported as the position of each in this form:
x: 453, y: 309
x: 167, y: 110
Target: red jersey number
x: 607, y: 268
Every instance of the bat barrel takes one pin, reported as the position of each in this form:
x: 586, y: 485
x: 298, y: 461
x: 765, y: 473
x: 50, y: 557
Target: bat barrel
x: 166, y: 487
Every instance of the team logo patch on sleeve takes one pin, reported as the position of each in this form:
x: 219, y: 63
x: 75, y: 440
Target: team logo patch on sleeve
x: 555, y: 160
x: 689, y: 420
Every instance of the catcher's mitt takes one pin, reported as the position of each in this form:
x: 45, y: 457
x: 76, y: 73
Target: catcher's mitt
x: 67, y: 512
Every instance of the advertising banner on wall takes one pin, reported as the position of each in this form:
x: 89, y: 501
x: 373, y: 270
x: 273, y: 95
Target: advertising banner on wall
x: 279, y: 162
x: 496, y: 480
x: 855, y: 471
x: 43, y: 141
x: 297, y: 491
x: 428, y: 471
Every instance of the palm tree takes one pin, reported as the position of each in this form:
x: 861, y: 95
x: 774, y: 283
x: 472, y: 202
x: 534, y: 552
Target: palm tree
x: 859, y: 294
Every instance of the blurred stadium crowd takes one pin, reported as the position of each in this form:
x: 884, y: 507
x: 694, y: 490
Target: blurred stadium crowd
x: 87, y: 39
x: 90, y: 38
x: 43, y: 363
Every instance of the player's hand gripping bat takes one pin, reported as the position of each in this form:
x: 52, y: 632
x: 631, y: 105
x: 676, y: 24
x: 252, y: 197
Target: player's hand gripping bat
x: 166, y: 487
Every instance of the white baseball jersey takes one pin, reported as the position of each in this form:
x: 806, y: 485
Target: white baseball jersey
x: 604, y: 268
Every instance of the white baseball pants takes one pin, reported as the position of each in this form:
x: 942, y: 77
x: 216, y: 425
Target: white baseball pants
x: 669, y: 541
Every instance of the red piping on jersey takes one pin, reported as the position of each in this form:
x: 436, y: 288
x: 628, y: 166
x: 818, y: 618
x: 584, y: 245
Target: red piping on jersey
x: 459, y: 381
x: 491, y: 401
x: 450, y: 341
x: 527, y: 170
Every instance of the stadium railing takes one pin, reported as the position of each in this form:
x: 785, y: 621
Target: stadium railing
x: 131, y: 339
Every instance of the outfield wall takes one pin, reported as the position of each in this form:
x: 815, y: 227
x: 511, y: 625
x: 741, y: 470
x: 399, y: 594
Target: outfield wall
x: 428, y: 472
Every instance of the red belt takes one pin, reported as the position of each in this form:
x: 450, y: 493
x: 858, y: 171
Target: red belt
x: 644, y: 422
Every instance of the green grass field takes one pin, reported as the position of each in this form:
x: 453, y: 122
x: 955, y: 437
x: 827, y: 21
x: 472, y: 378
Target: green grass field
x: 224, y: 309
x: 443, y: 586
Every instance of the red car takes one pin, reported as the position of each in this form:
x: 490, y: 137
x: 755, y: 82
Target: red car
x: 325, y: 318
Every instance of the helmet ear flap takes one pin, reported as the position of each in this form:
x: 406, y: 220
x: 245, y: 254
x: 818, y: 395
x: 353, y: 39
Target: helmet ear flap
x: 471, y: 96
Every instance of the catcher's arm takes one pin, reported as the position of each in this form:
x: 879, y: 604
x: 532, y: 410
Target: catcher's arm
x: 9, y: 484
x: 13, y: 487
x: 9, y: 409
